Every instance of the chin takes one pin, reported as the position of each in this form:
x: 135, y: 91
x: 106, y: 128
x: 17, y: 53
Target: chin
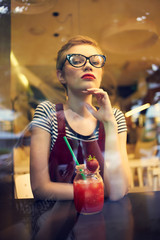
x: 91, y: 85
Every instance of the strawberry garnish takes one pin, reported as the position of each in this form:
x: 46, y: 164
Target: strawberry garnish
x: 92, y: 163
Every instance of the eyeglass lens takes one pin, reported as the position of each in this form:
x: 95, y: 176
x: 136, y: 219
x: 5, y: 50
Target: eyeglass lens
x: 80, y: 60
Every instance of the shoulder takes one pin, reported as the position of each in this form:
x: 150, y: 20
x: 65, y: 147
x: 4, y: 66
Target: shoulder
x: 44, y: 115
x: 46, y: 106
x: 118, y: 113
x: 121, y: 121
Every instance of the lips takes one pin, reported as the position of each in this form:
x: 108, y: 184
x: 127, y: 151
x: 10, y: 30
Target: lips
x: 88, y: 76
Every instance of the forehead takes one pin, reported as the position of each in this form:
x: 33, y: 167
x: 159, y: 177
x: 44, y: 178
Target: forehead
x: 84, y: 49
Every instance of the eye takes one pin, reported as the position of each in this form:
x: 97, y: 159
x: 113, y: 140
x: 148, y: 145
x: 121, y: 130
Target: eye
x: 76, y: 60
x: 96, y: 60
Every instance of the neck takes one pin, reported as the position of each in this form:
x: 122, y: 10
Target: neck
x: 77, y: 104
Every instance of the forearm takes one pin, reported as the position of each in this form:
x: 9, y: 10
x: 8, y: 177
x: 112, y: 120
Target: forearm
x: 116, y: 171
x: 42, y: 186
x: 53, y: 191
x: 116, y: 168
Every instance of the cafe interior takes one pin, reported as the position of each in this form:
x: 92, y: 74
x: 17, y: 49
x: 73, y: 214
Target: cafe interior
x: 128, y: 33
x: 31, y: 33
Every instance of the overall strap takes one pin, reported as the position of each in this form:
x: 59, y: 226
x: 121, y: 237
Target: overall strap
x: 60, y: 118
x: 101, y: 132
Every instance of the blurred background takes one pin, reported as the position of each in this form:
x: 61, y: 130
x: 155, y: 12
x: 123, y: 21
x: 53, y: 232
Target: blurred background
x: 31, y: 33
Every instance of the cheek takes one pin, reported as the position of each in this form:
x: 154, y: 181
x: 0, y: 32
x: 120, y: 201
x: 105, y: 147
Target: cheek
x: 70, y: 75
x: 100, y: 74
x: 69, y: 71
x: 99, y: 77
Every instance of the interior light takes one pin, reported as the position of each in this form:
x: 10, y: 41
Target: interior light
x: 3, y: 10
x: 139, y: 19
x: 13, y: 59
x: 19, y: 9
x: 136, y: 110
x: 155, y: 67
x: 23, y: 79
x: 31, y: 6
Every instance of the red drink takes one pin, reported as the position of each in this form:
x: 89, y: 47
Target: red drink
x: 89, y: 193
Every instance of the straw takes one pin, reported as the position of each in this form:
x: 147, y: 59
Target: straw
x: 69, y: 146
x: 73, y: 155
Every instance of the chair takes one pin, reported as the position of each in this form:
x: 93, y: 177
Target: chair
x: 22, y: 186
x: 142, y: 162
x: 21, y: 162
x: 156, y: 178
x: 139, y: 165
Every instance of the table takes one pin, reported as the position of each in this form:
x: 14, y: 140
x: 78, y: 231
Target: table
x: 135, y: 217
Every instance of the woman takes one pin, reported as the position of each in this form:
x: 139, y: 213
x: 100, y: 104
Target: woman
x: 97, y: 131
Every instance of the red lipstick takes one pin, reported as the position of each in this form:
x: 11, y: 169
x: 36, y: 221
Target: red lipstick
x: 88, y: 76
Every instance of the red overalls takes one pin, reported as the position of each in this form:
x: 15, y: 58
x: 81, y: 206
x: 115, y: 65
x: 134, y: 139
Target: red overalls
x: 61, y: 163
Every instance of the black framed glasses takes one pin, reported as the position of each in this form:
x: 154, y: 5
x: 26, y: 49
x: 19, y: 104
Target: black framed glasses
x: 79, y: 60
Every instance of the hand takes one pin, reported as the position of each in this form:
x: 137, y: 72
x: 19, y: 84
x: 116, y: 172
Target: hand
x: 105, y: 112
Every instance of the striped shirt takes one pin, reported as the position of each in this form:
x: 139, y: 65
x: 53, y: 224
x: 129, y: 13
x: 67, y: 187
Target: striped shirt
x: 45, y: 117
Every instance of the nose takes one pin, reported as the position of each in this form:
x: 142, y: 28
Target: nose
x: 88, y: 66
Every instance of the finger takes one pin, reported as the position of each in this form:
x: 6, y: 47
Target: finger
x: 95, y: 89
x: 97, y: 92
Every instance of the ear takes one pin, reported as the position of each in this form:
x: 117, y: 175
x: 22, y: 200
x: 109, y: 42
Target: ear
x: 60, y: 76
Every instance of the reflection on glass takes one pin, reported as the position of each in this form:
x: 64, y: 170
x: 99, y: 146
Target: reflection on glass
x: 143, y: 136
x: 61, y: 221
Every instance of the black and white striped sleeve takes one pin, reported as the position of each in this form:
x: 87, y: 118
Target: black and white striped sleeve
x: 43, y: 116
x: 120, y: 118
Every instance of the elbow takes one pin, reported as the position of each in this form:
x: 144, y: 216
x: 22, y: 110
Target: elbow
x: 43, y: 192
x: 117, y: 193
x: 36, y: 194
x: 37, y: 191
x: 116, y: 196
